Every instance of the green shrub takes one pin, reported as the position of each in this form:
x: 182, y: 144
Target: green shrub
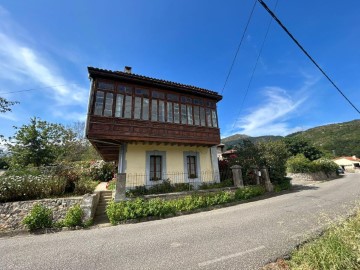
x: 27, y: 187
x: 249, y: 192
x: 111, y: 185
x: 225, y: 183
x: 164, y: 187
x: 101, y: 170
x: 38, y: 218
x: 140, y: 208
x: 299, y: 164
x: 325, y: 165
x: 84, y: 185
x: 73, y: 216
x: 283, y: 184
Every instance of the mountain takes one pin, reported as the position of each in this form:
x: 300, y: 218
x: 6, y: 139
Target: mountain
x: 235, y: 139
x: 343, y: 138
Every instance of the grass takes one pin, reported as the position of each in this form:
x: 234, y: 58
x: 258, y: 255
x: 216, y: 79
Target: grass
x: 337, y: 249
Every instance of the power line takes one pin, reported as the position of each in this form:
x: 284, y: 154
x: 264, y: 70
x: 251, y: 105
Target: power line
x: 32, y: 89
x: 255, y: 66
x: 306, y: 53
x: 238, y: 48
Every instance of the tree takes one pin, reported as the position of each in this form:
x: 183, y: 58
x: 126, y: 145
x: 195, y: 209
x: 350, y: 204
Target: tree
x: 274, y: 156
x: 296, y: 145
x: 38, y: 143
x: 6, y: 104
x: 77, y: 147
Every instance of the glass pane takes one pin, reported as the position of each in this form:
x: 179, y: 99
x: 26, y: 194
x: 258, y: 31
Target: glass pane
x: 176, y: 113
x: 145, y: 113
x: 183, y: 114
x: 142, y: 92
x: 106, y: 85
x: 124, y: 89
x: 99, y: 101
x: 154, y: 116
x: 169, y: 112
x: 137, y: 109
x: 108, y: 104
x: 190, y: 116
x: 202, y: 117
x: 172, y: 97
x: 196, y: 116
x: 156, y: 94
x: 208, y: 118
x: 128, y: 105
x: 119, y: 105
x: 161, y: 111
x: 214, y: 118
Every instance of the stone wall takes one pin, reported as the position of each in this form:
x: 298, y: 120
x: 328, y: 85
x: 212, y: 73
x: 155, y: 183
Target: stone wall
x: 12, y: 213
x: 318, y: 176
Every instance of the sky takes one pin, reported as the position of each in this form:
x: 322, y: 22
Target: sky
x: 46, y: 46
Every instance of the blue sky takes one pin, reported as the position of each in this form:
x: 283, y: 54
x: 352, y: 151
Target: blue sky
x: 47, y: 46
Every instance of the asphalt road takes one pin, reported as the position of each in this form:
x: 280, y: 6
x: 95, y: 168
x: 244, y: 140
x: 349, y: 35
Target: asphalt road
x: 244, y: 236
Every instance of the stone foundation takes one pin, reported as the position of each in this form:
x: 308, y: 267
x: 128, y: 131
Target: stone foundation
x: 12, y: 213
x: 319, y: 176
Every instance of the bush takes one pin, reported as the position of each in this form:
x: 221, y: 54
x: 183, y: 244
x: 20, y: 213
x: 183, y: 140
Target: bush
x: 284, y: 184
x: 249, y: 192
x: 27, y: 187
x: 102, y: 171
x: 40, y: 217
x: 325, y: 165
x: 225, y: 183
x: 73, y: 216
x: 140, y: 208
x: 299, y: 164
x: 84, y: 185
x: 164, y: 187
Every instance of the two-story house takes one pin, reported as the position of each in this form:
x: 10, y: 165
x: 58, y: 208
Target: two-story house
x: 154, y: 129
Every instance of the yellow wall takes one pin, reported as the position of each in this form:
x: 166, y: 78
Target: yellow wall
x: 136, y: 157
x: 135, y: 162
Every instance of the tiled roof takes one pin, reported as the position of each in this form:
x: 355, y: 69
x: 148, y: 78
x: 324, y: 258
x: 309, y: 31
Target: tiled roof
x: 93, y: 70
x: 349, y: 158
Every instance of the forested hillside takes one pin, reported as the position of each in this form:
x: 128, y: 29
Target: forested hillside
x: 343, y: 138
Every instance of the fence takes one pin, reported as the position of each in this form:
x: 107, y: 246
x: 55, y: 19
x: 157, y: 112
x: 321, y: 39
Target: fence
x: 177, y: 179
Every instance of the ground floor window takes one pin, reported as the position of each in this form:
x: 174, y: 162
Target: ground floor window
x: 191, y: 166
x: 155, y: 167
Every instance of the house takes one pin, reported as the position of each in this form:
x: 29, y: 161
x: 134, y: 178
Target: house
x: 348, y: 163
x: 229, y: 153
x: 220, y: 151
x: 155, y: 130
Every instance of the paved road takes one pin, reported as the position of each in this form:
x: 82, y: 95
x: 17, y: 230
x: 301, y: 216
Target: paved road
x: 245, y: 236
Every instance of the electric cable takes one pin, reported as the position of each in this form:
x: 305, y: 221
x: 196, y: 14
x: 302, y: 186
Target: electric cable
x: 306, y: 53
x: 254, y: 68
x: 238, y: 48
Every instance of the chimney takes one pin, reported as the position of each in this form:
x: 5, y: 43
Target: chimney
x: 127, y: 69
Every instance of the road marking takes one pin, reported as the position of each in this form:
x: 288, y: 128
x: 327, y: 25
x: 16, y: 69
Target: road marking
x: 223, y: 258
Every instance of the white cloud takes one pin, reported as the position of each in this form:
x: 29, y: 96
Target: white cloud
x: 24, y: 65
x: 270, y: 117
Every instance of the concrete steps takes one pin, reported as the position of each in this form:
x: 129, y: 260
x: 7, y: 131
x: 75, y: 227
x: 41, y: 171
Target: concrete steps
x: 100, y: 214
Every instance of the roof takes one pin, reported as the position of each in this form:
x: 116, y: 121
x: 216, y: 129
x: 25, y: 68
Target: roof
x: 348, y: 158
x: 94, y: 72
x: 229, y: 152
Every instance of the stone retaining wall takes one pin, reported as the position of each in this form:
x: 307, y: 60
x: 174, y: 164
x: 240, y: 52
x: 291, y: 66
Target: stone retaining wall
x: 319, y: 176
x: 12, y: 213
